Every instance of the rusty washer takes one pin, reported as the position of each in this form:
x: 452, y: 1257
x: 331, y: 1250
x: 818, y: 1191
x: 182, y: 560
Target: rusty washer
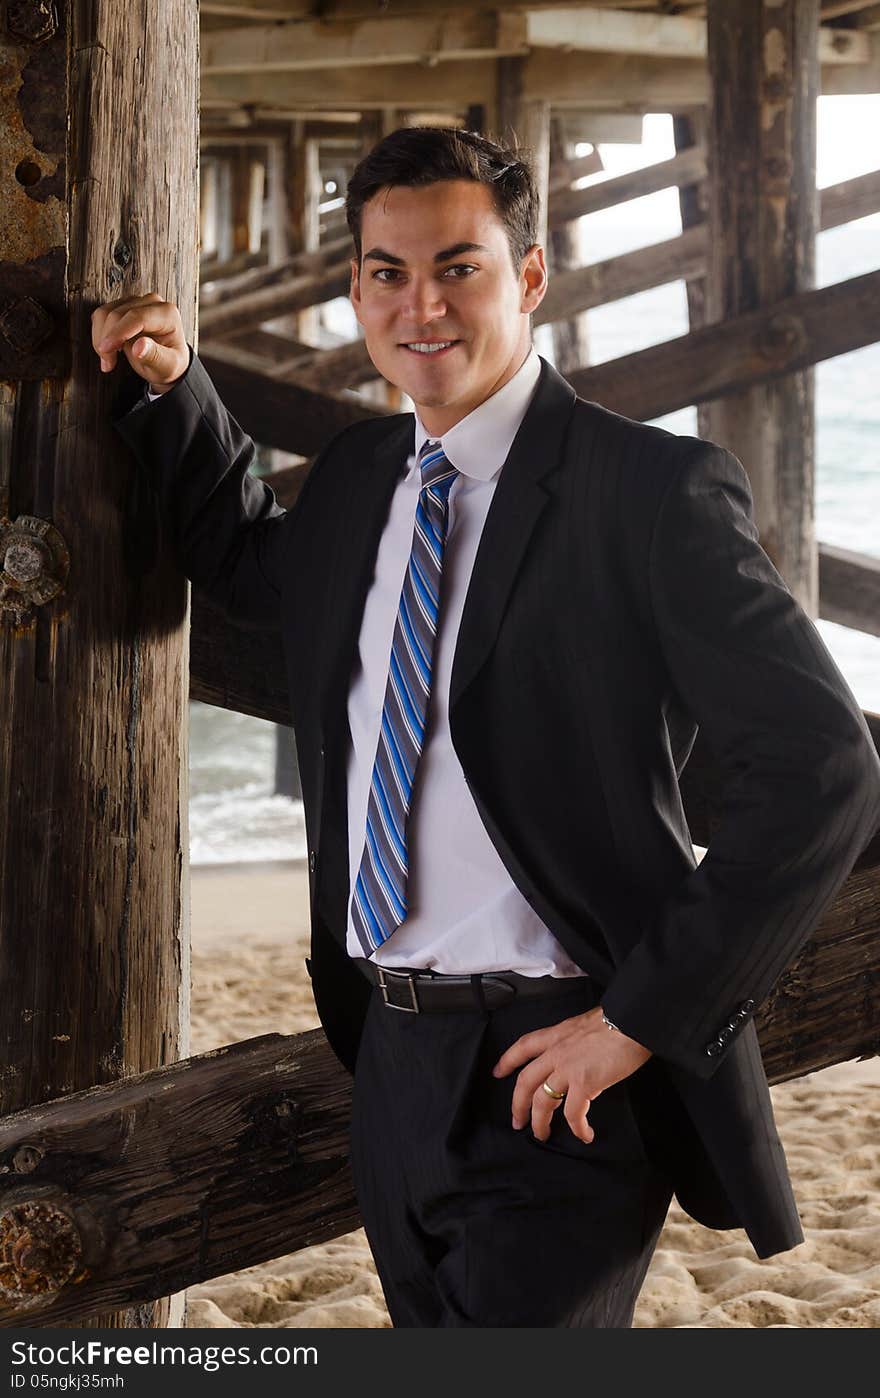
x: 31, y: 20
x: 25, y: 324
x: 34, y: 564
x: 40, y: 1252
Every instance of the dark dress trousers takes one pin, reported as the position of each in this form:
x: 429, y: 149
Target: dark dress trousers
x: 619, y: 598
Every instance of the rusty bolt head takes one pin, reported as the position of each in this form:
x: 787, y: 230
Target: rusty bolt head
x: 24, y: 560
x: 31, y: 20
x: 26, y: 1158
x: 40, y: 1250
x: 25, y: 324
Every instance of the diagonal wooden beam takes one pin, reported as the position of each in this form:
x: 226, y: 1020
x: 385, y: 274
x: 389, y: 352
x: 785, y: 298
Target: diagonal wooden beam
x: 726, y: 356
x: 283, y: 415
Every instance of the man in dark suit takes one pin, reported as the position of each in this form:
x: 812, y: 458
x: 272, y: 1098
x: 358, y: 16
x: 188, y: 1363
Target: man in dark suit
x: 504, y: 617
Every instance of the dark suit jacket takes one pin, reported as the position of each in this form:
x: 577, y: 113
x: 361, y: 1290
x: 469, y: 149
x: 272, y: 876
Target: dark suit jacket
x: 619, y: 598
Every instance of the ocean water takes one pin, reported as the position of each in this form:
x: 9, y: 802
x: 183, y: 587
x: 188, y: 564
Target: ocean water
x: 234, y: 814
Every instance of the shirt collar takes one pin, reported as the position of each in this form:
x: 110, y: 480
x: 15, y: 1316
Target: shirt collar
x: 478, y: 445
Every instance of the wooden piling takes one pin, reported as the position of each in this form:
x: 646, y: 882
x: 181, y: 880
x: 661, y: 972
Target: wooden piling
x: 763, y: 217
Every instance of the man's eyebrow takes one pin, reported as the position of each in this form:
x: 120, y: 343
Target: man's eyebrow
x: 457, y: 249
x: 380, y: 255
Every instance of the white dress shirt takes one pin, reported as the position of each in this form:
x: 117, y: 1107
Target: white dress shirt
x: 465, y: 912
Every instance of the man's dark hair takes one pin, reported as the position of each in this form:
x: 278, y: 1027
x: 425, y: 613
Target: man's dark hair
x: 423, y: 155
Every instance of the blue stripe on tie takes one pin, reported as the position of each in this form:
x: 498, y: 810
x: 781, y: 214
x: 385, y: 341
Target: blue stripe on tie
x: 386, y: 882
x: 374, y: 925
x: 420, y: 659
x: 399, y: 771
x: 400, y: 762
x: 412, y: 714
x: 387, y: 817
x: 429, y: 598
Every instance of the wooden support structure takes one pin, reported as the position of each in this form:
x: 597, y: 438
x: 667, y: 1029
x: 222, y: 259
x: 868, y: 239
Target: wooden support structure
x: 524, y: 123
x: 94, y: 969
x: 849, y: 589
x: 571, y: 344
x: 284, y: 415
x: 731, y: 355
x: 764, y: 68
x: 689, y: 132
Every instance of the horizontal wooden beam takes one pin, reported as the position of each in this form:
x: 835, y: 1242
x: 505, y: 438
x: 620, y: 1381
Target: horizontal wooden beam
x: 142, y: 1187
x: 642, y: 82
x: 310, y: 46
x: 849, y: 589
x: 730, y: 355
x: 283, y: 415
x: 665, y: 36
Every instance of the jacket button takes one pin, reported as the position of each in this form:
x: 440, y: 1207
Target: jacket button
x: 311, y: 861
x: 322, y: 749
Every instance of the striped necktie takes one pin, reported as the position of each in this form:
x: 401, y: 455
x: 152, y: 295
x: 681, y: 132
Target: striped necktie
x: 379, y: 904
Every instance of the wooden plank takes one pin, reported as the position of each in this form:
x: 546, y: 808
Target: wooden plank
x: 283, y: 415
x: 689, y: 131
x: 571, y: 340
x: 564, y: 172
x: 229, y: 281
x: 268, y: 302
x: 259, y: 1169
x: 726, y: 357
x: 686, y: 168
x: 849, y: 588
x: 309, y: 46
x: 566, y: 80
x: 669, y: 36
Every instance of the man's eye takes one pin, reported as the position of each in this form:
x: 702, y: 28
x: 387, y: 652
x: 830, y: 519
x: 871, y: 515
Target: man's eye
x: 464, y: 267
x: 386, y: 274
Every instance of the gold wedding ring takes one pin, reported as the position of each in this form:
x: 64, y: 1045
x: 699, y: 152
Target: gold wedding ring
x: 557, y: 1096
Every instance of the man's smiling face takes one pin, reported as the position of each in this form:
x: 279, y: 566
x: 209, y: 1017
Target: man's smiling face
x: 445, y: 313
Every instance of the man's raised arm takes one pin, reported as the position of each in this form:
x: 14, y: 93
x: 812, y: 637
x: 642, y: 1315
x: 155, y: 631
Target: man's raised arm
x: 225, y: 527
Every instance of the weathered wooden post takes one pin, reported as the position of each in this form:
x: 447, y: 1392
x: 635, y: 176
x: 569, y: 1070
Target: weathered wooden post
x: 99, y: 106
x: 571, y: 344
x: 764, y: 81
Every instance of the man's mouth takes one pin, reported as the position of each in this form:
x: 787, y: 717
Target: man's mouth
x: 429, y: 347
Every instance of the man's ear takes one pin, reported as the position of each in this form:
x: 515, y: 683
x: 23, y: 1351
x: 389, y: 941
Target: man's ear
x: 533, y: 279
x: 354, y: 293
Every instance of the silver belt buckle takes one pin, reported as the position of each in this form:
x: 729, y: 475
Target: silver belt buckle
x: 408, y: 976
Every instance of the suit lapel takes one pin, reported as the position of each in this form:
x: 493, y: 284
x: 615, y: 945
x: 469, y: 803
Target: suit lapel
x: 367, y: 505
x: 516, y: 507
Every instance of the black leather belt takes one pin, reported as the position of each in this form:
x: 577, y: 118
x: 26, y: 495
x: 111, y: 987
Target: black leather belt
x: 427, y: 992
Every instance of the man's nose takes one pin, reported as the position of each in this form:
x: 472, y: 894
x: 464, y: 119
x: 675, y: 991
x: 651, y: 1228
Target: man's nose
x: 425, y: 301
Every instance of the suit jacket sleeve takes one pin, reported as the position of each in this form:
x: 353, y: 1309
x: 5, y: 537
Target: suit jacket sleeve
x: 802, y: 776
x: 224, y: 526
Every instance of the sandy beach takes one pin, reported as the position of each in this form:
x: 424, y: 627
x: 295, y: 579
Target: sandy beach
x: 249, y: 935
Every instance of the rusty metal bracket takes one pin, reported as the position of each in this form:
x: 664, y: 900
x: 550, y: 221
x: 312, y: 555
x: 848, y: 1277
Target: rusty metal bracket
x: 34, y: 564
x: 34, y: 333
